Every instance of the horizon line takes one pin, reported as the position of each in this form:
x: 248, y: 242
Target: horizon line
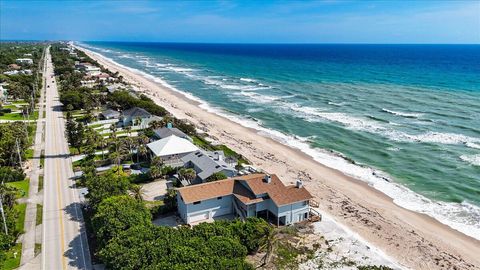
x: 232, y: 43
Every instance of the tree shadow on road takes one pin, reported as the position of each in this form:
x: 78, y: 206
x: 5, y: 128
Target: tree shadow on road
x: 78, y: 250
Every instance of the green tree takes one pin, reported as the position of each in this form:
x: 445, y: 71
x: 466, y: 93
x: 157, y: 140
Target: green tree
x: 216, y: 176
x: 111, y: 183
x: 117, y: 214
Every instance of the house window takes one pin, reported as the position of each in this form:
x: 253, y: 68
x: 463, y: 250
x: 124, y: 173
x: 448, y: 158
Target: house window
x: 219, y: 198
x: 197, y: 202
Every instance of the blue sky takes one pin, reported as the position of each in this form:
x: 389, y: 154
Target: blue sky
x: 244, y: 21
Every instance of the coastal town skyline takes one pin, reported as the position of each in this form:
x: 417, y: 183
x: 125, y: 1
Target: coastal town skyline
x: 383, y: 22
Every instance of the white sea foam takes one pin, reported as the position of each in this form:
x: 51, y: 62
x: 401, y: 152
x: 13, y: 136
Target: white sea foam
x: 464, y: 217
x: 444, y: 138
x: 471, y: 159
x: 404, y: 114
x: 336, y: 104
x: 247, y: 80
x: 472, y: 145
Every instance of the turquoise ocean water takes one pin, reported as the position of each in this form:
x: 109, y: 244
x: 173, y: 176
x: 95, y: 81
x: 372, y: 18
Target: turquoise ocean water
x: 407, y: 115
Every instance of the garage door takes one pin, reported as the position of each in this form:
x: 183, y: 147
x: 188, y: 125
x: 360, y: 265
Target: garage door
x: 198, y: 217
x: 221, y: 212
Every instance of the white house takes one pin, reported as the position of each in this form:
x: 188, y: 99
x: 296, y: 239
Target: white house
x: 254, y: 195
x: 28, y: 61
x: 172, y: 149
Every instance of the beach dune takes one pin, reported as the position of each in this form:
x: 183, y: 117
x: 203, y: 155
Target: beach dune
x: 412, y: 239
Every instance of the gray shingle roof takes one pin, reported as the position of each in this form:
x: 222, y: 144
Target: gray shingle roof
x: 136, y: 112
x: 110, y: 113
x: 208, y: 163
x: 165, y: 132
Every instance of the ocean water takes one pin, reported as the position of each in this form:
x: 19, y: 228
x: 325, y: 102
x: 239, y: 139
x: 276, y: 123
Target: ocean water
x: 404, y: 118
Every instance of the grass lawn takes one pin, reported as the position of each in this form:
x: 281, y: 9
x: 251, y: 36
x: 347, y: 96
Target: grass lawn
x: 29, y: 153
x: 42, y: 159
x: 38, y: 249
x: 39, y: 217
x: 22, y: 187
x: 40, y: 182
x: 12, y: 107
x: 20, y: 222
x: 12, y: 261
x: 20, y: 102
x: 18, y: 116
x: 12, y: 116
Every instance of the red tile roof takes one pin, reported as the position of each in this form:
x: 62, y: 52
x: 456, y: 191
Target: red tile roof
x: 245, y: 188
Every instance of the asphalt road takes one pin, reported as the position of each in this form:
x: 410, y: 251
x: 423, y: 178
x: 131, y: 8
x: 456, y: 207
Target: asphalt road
x: 64, y: 243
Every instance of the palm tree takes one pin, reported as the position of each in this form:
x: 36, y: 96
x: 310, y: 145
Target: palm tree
x: 187, y: 174
x: 270, y: 245
x: 141, y: 150
x: 156, y: 168
x: 137, y: 192
x: 155, y: 124
x: 128, y: 130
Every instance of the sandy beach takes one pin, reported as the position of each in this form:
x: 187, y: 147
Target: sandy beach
x: 414, y: 240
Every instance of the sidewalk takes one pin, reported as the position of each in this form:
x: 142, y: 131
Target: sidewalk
x: 28, y: 239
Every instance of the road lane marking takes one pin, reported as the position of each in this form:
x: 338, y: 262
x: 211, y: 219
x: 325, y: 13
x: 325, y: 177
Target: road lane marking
x: 62, y: 230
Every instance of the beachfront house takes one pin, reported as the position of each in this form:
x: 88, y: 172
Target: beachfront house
x: 27, y: 61
x: 109, y: 114
x: 172, y: 149
x: 206, y: 163
x: 138, y: 117
x: 254, y: 195
x: 169, y: 130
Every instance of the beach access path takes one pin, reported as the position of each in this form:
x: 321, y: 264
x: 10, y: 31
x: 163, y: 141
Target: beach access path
x: 412, y: 239
x: 64, y: 243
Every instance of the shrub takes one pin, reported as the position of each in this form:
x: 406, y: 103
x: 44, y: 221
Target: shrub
x: 9, y: 174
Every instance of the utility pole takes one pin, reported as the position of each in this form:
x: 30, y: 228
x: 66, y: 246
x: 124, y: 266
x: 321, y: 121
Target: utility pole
x: 18, y: 152
x: 3, y: 215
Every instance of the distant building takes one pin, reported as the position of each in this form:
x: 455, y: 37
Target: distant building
x: 206, y: 163
x: 109, y: 114
x: 3, y: 93
x: 27, y: 61
x: 254, y: 195
x: 11, y: 72
x: 172, y: 149
x: 138, y: 117
x: 88, y: 83
x: 104, y: 77
x: 114, y: 87
x: 14, y: 66
x: 164, y: 132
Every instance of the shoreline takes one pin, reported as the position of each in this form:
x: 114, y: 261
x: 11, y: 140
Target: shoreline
x: 411, y: 238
